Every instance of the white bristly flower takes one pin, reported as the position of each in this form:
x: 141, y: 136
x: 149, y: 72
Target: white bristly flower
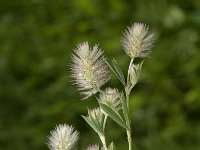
x: 63, y: 137
x: 89, y: 69
x: 137, y: 41
x: 110, y: 97
x: 93, y: 147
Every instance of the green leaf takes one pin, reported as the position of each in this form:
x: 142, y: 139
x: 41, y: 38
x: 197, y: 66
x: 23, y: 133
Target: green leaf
x: 113, y: 113
x: 96, y: 121
x: 117, y: 71
x: 125, y: 109
x: 139, y: 68
x: 93, y: 124
x: 112, y: 146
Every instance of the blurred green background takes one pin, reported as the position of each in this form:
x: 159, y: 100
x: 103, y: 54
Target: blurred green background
x: 36, y: 40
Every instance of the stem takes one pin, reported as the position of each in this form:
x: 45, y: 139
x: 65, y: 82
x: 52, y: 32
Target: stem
x: 128, y: 131
x: 128, y: 88
x: 103, y: 140
x: 127, y: 91
x: 102, y: 136
x: 104, y: 122
x: 129, y: 69
x: 127, y: 96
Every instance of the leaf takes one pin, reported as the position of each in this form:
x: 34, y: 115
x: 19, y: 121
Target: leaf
x: 96, y: 120
x: 112, y: 146
x: 125, y: 108
x: 117, y: 71
x: 139, y: 68
x: 112, y: 113
x: 93, y: 124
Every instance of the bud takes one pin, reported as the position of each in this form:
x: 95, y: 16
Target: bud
x: 110, y: 97
x: 96, y: 114
x: 134, y: 73
x: 95, y: 119
x: 137, y: 41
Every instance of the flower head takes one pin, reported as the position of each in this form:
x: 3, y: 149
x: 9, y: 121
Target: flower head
x: 93, y: 147
x: 63, y: 137
x: 111, y: 97
x: 137, y: 41
x: 88, y: 68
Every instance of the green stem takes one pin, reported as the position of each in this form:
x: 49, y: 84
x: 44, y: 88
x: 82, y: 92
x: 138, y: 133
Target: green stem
x: 128, y: 131
x: 127, y: 96
x: 104, y: 122
x: 103, y: 140
x: 128, y: 88
x: 129, y: 69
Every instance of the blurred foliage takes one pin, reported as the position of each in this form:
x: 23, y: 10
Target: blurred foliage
x: 36, y: 39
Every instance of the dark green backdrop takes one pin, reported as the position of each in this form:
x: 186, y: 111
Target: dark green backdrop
x: 36, y: 40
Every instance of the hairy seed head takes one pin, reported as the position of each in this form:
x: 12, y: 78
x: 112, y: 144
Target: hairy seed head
x: 137, y: 41
x: 89, y: 69
x: 63, y: 137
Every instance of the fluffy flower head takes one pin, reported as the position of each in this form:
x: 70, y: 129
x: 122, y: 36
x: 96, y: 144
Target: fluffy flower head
x: 137, y: 41
x: 93, y: 147
x: 88, y: 69
x: 63, y: 137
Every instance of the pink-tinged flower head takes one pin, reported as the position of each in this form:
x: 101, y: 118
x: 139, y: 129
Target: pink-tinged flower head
x: 89, y: 69
x: 137, y: 41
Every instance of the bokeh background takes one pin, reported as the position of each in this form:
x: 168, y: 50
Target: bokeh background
x: 36, y: 40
